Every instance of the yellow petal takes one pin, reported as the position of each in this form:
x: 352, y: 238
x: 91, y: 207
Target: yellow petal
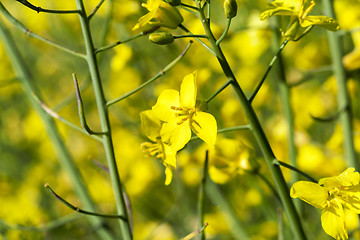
x: 276, y: 11
x: 170, y: 155
x: 174, y: 134
x: 347, y: 178
x: 188, y: 91
x: 205, y: 127
x: 167, y: 99
x: 333, y: 220
x: 152, y: 5
x: 352, y: 195
x: 150, y: 125
x: 322, y: 21
x: 222, y: 175
x: 168, y: 174
x: 310, y: 192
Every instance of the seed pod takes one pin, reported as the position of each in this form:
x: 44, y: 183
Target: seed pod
x: 230, y: 8
x: 161, y: 38
x: 173, y: 2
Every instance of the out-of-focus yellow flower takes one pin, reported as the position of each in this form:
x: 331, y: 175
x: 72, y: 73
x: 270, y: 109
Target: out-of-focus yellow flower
x: 333, y: 195
x: 181, y: 114
x: 161, y: 14
x: 298, y: 11
x: 351, y: 60
x: 151, y: 126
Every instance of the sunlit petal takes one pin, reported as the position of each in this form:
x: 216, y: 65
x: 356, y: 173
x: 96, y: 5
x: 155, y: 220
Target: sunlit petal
x: 174, y: 134
x: 310, y: 192
x: 170, y: 155
x: 168, y: 175
x: 333, y: 220
x: 321, y: 21
x: 163, y: 108
x: 188, y: 91
x: 205, y: 127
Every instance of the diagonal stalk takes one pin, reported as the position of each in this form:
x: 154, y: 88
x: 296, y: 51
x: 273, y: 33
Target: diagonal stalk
x: 64, y: 156
x: 259, y: 134
x: 104, y: 120
x: 343, y: 95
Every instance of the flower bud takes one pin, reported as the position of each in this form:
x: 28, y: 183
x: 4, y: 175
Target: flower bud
x: 230, y: 8
x: 173, y: 2
x: 161, y: 38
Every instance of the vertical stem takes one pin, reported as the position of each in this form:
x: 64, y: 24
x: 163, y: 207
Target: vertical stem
x: 105, y: 122
x: 64, y: 156
x: 202, y: 196
x: 285, y: 101
x: 259, y: 134
x: 343, y: 95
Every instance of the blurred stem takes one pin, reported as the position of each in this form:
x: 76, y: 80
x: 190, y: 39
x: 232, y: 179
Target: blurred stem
x: 259, y: 134
x: 64, y: 156
x: 159, y: 74
x: 285, y: 102
x: 216, y: 196
x: 268, y: 183
x: 346, y: 119
x: 202, y: 195
x: 272, y: 62
x: 105, y: 122
x: 25, y: 30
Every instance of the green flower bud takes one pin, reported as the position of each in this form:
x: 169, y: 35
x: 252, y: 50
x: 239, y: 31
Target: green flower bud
x: 173, y: 2
x: 161, y: 38
x: 230, y: 8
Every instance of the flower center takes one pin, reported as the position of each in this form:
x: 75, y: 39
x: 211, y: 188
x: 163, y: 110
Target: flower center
x: 184, y: 113
x: 154, y: 149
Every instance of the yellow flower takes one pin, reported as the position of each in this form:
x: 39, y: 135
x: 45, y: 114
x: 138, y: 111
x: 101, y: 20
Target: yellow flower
x: 161, y: 14
x: 151, y: 126
x: 181, y: 115
x: 298, y: 11
x: 334, y: 195
x: 351, y: 60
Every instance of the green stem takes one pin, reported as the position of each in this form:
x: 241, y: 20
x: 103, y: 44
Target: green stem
x: 268, y: 183
x: 94, y: 11
x: 64, y: 156
x: 259, y: 134
x: 25, y: 30
x: 101, y: 49
x: 230, y: 129
x: 39, y: 9
x: 190, y: 35
x: 228, y: 23
x: 202, y: 195
x: 285, y: 101
x: 219, y: 91
x: 105, y: 122
x: 273, y: 60
x: 197, y: 39
x: 343, y: 95
x: 159, y: 74
x: 277, y: 162
x: 189, y: 6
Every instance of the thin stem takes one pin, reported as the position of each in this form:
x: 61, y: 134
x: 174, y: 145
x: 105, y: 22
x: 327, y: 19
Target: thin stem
x: 39, y: 9
x: 94, y: 11
x: 268, y: 183
x: 273, y: 60
x: 189, y: 6
x: 283, y: 164
x: 202, y: 188
x: 259, y: 134
x: 190, y: 35
x: 101, y: 49
x: 343, y: 98
x: 69, y: 205
x: 62, y: 152
x: 159, y: 74
x: 55, y: 115
x: 219, y: 91
x: 228, y: 23
x: 25, y: 30
x: 230, y: 129
x: 81, y: 109
x: 197, y: 39
x: 105, y: 123
x: 195, y: 233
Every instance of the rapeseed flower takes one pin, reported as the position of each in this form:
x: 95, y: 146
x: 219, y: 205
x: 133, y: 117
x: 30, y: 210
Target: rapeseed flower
x: 151, y: 126
x: 161, y: 14
x: 181, y: 114
x: 298, y: 11
x: 334, y: 195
